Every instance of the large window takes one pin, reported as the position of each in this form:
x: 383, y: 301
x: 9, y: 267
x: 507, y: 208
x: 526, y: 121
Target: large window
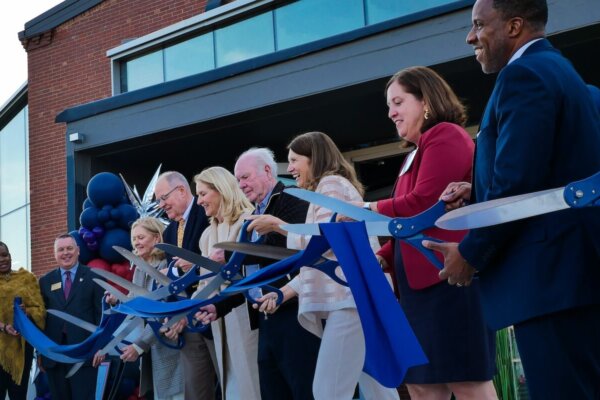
x: 290, y: 25
x: 14, y: 189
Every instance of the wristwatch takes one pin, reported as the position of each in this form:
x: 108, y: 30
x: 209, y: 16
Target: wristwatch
x: 367, y: 205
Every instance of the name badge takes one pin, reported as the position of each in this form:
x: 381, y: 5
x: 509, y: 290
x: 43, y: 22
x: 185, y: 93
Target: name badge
x: 55, y: 286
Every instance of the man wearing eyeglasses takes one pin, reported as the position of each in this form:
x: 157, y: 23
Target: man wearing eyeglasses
x: 188, y: 221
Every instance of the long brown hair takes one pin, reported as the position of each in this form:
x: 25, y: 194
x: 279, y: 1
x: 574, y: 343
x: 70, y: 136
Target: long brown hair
x: 440, y: 100
x: 325, y: 159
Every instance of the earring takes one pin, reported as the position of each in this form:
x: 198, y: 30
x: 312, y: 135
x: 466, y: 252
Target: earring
x: 426, y: 115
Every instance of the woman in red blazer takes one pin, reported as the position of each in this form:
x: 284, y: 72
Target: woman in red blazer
x: 428, y: 114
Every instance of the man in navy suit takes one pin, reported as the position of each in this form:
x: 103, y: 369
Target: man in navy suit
x: 188, y: 221
x: 542, y: 274
x: 70, y: 288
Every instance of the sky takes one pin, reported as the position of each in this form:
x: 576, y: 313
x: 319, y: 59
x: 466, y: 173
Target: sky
x: 13, y: 16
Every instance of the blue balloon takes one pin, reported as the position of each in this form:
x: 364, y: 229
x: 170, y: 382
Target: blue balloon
x: 114, y: 237
x: 110, y: 224
x: 87, y: 203
x: 89, y: 218
x: 128, y: 215
x: 105, y: 188
x: 103, y: 216
x: 98, y: 231
x: 85, y: 254
x: 115, y: 214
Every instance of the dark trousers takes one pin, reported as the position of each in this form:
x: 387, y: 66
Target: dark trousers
x: 16, y: 391
x: 561, y: 354
x: 287, y: 356
x: 81, y: 386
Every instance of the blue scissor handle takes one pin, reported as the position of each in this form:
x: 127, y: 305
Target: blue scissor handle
x: 402, y: 228
x: 155, y: 325
x: 192, y: 326
x: 328, y: 268
x: 188, y: 279
x: 267, y: 289
x: 583, y: 193
x: 416, y: 242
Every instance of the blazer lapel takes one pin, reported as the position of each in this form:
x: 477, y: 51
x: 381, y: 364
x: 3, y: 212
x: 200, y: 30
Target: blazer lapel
x: 60, y: 293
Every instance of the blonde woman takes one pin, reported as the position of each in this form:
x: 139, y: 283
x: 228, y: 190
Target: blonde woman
x: 160, y: 367
x: 236, y: 344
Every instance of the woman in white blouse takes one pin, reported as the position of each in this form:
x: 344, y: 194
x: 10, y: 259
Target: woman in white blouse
x: 317, y: 164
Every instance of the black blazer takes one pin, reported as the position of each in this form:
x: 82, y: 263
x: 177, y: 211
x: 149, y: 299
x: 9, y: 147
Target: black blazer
x: 85, y: 302
x: 195, y: 225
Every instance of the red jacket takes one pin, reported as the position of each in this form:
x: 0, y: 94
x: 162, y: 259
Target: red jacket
x: 444, y: 155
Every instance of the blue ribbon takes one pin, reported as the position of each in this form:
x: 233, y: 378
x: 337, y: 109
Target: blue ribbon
x: 391, y: 345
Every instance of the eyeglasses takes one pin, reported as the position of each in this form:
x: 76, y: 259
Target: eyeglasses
x: 165, y: 196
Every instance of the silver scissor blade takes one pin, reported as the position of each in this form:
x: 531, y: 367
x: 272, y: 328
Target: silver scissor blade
x: 503, y: 210
x: 255, y: 249
x: 74, y: 369
x: 88, y: 326
x: 133, y: 288
x: 373, y: 228
x: 338, y: 206
x: 126, y: 327
x: 143, y: 265
x: 190, y: 256
x: 122, y: 297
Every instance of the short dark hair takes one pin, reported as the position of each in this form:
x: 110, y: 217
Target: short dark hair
x: 534, y: 12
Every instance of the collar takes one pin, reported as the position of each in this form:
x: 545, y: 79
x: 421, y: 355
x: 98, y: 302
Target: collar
x: 186, y: 214
x: 262, y: 206
x: 522, y: 49
x: 73, y: 271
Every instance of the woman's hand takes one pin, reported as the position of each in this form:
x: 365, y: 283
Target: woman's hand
x: 207, y: 314
x: 266, y: 304
x: 129, y: 354
x: 217, y: 255
x: 456, y: 195
x: 98, y: 359
x: 263, y: 224
x: 183, y: 264
x: 10, y: 330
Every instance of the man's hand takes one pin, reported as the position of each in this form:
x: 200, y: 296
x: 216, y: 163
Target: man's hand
x: 456, y: 269
x: 129, y: 354
x: 456, y: 195
x: 174, y: 331
x: 207, y: 314
x: 264, y: 224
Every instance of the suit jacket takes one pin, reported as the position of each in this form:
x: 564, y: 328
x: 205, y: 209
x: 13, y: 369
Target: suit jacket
x: 289, y: 209
x: 539, y: 131
x: 444, y: 155
x: 195, y: 225
x: 85, y: 302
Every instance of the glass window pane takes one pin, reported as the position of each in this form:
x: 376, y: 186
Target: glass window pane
x: 382, y: 10
x: 13, y: 164
x: 190, y: 57
x: 245, y: 39
x: 309, y: 20
x: 15, y: 233
x: 145, y: 71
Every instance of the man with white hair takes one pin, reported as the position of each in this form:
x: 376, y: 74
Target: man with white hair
x: 287, y: 353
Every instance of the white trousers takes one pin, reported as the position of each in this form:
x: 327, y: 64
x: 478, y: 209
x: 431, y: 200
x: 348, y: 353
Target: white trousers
x: 341, y: 359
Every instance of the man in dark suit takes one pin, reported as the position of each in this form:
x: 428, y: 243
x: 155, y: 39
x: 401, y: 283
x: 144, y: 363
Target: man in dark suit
x: 188, y: 221
x: 70, y: 288
x: 542, y: 274
x: 287, y: 353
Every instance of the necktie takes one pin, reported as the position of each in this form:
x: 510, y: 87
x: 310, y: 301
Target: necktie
x: 180, y: 230
x: 68, y: 284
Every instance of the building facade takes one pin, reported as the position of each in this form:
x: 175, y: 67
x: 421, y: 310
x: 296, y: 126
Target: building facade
x: 123, y: 85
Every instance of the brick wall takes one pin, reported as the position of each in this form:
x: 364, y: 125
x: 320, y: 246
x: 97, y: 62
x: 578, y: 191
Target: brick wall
x: 68, y: 67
